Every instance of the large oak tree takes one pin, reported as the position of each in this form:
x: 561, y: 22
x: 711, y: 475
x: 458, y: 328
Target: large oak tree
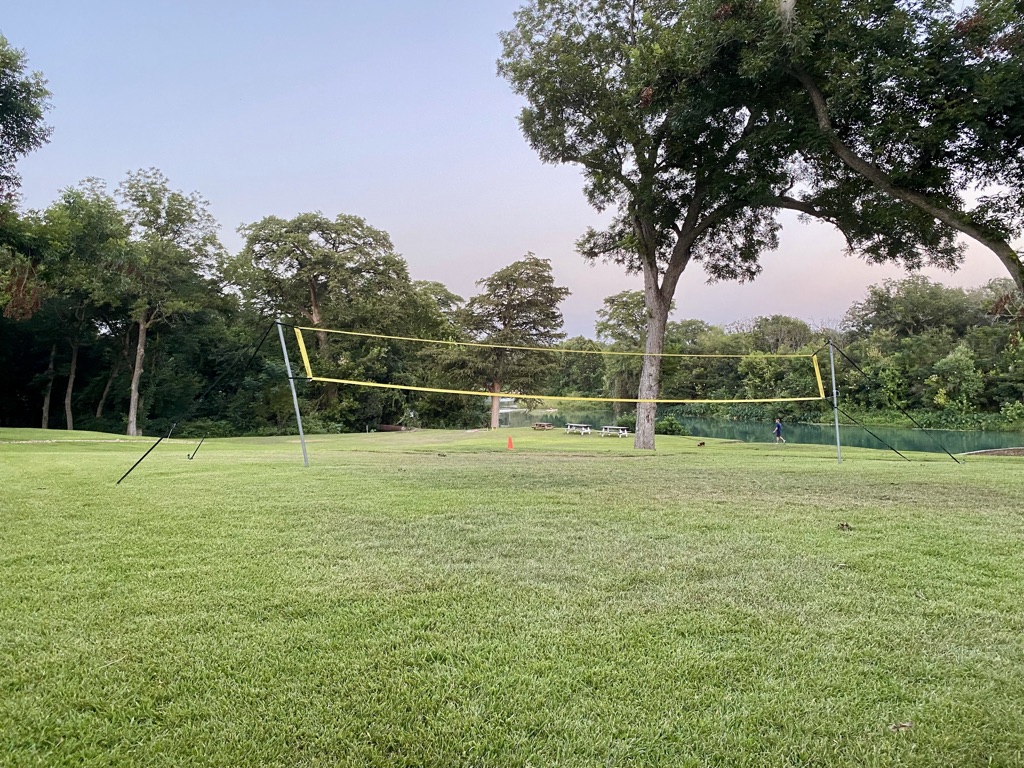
x: 695, y: 157
x: 517, y: 308
x: 341, y: 274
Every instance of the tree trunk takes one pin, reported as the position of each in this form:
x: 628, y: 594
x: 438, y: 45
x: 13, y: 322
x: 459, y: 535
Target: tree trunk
x: 495, y: 405
x: 133, y: 401
x: 116, y: 369
x: 106, y: 389
x: 330, y: 388
x: 49, y: 388
x: 650, y: 374
x: 71, y: 383
x: 658, y: 300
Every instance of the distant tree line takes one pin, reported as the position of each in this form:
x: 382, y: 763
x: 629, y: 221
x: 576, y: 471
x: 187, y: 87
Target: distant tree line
x: 124, y: 307
x: 948, y: 357
x: 118, y: 319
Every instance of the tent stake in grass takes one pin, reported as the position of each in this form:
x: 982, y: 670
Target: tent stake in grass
x: 185, y: 414
x: 193, y: 454
x: 154, y: 445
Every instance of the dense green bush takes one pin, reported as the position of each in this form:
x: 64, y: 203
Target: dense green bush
x: 670, y: 426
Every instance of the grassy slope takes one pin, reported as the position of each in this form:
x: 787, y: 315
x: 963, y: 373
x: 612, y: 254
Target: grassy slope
x: 434, y: 599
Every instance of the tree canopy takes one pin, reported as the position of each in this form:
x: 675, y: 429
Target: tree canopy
x: 24, y: 100
x: 342, y: 274
x: 518, y: 307
x: 917, y: 102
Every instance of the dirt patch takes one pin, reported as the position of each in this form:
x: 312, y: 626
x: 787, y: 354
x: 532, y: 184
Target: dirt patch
x: 998, y: 452
x: 74, y: 440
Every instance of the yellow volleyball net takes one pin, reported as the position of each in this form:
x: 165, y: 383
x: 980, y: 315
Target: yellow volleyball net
x: 788, y: 377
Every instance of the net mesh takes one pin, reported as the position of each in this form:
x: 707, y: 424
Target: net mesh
x: 687, y: 378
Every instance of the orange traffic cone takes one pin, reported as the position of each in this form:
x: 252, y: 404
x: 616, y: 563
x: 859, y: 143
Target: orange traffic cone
x: 510, y: 442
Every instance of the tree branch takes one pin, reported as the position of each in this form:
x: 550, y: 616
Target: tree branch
x: 802, y: 206
x: 692, y: 228
x: 880, y: 179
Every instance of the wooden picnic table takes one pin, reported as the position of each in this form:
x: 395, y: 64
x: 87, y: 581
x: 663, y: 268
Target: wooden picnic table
x: 543, y: 425
x: 582, y: 429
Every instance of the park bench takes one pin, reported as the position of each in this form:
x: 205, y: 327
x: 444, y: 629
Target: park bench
x: 582, y: 429
x: 619, y: 431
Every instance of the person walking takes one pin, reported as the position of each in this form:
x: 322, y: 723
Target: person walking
x: 778, y: 432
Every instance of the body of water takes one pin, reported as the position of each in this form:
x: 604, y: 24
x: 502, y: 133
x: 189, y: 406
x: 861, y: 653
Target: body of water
x: 932, y: 440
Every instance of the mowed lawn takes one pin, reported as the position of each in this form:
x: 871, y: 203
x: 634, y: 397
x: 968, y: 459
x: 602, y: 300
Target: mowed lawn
x: 434, y: 599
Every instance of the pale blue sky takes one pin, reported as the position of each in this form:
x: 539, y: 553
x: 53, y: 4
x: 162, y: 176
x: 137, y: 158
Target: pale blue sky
x: 390, y: 110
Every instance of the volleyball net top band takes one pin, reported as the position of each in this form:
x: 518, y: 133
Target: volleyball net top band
x: 528, y: 396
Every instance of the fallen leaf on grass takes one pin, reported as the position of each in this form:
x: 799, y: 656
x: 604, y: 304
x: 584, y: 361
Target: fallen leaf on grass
x: 900, y: 727
x: 845, y: 527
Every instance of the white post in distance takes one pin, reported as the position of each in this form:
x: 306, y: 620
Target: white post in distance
x: 835, y: 400
x: 295, y: 398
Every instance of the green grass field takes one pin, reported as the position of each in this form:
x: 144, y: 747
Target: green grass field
x: 433, y: 599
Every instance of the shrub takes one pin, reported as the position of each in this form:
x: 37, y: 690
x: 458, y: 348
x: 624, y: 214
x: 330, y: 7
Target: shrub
x: 1012, y: 413
x: 670, y: 426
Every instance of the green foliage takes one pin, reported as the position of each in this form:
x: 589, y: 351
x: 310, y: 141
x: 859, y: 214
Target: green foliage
x: 26, y: 253
x: 343, y: 274
x: 914, y: 107
x: 172, y: 247
x: 1013, y: 413
x: 317, y: 270
x: 622, y: 321
x: 695, y: 122
x: 626, y: 420
x: 763, y: 375
x: 519, y: 307
x: 24, y: 100
x: 100, y: 283
x: 669, y: 425
x: 779, y: 334
x: 915, y: 305
x: 622, y: 326
x: 955, y: 382
x: 581, y: 375
x: 623, y: 90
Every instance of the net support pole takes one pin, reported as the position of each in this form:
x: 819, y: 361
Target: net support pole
x: 835, y: 400
x: 295, y: 398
